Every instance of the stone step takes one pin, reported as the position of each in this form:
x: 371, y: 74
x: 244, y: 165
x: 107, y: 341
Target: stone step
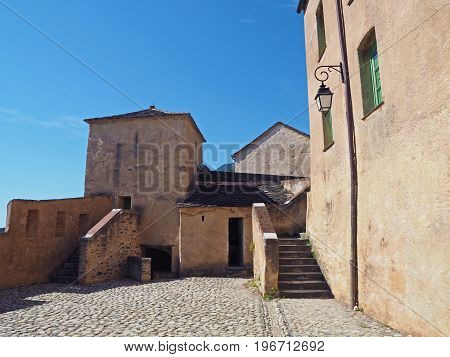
x: 303, y: 285
x: 71, y: 265
x: 295, y: 254
x: 299, y: 268
x: 67, y: 273
x: 293, y: 241
x: 63, y: 280
x: 293, y: 248
x: 301, y: 276
x: 306, y: 294
x: 297, y: 261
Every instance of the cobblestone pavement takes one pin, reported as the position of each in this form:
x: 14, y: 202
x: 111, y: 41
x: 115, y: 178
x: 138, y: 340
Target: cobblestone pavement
x: 184, y: 307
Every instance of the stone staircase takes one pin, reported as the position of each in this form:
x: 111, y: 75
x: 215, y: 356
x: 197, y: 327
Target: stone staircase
x: 68, y: 272
x: 300, y: 275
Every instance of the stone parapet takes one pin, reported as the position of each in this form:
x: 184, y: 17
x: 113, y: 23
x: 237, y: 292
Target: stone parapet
x: 139, y: 268
x: 265, y: 250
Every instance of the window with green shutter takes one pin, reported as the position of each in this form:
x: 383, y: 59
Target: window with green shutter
x: 320, y: 23
x: 327, y: 126
x: 375, y: 73
x: 370, y: 73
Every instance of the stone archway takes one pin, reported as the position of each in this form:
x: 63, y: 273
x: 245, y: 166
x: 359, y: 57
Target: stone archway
x: 161, y: 261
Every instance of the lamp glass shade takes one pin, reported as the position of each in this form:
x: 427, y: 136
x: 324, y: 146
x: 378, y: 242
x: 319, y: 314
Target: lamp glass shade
x: 324, y: 99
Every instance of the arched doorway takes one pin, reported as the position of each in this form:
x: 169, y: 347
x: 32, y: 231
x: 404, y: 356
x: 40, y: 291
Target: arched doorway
x: 161, y: 262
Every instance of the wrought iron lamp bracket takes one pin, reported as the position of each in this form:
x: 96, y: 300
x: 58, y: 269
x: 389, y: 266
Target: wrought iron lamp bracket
x: 322, y: 73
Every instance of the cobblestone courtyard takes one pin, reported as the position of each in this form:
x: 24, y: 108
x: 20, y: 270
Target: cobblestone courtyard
x: 184, y: 307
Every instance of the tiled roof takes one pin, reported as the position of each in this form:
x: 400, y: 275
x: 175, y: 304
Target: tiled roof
x: 236, y: 195
x: 234, y: 177
x: 151, y: 112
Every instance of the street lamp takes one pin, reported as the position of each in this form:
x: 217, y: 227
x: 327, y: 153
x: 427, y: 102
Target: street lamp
x: 324, y: 97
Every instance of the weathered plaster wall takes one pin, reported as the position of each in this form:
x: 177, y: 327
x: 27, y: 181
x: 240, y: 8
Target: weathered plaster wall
x: 282, y: 152
x: 289, y: 219
x: 151, y: 160
x: 105, y: 249
x: 204, y: 244
x: 402, y: 150
x: 265, y: 250
x: 30, y: 257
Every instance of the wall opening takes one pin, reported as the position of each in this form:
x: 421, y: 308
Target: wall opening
x: 60, y: 228
x: 83, y: 224
x: 369, y: 71
x: 235, y: 242
x: 124, y: 202
x: 161, y: 262
x: 32, y: 223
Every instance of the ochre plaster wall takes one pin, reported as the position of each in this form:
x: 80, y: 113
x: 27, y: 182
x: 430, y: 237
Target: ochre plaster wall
x: 402, y: 151
x: 30, y: 258
x: 289, y: 219
x: 204, y: 244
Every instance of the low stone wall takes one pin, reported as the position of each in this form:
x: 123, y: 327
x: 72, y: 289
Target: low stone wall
x: 140, y: 269
x: 290, y: 218
x: 265, y: 250
x: 104, y: 250
x: 41, y: 234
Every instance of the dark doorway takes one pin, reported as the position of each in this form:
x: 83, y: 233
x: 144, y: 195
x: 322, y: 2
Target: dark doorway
x: 235, y: 242
x: 125, y: 202
x: 161, y: 262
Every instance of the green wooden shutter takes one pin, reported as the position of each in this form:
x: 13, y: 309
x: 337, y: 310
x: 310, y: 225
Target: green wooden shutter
x: 375, y: 74
x: 327, y: 130
x: 321, y: 38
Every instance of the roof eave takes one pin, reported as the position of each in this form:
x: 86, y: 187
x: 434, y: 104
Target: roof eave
x: 301, y: 6
x: 113, y: 117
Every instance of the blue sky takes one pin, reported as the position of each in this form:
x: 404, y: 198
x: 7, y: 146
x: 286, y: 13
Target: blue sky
x: 237, y: 66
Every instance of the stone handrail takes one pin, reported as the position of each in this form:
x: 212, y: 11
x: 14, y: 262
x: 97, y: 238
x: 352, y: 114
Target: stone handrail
x: 265, y: 253
x: 101, y: 224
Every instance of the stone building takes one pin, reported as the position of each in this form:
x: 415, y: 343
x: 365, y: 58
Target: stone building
x: 146, y: 161
x: 280, y: 150
x: 398, y: 62
x: 152, y: 210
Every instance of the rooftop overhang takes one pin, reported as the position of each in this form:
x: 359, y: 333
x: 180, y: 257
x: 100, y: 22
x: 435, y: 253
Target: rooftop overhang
x: 302, y: 6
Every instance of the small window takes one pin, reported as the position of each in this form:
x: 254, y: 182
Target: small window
x: 370, y: 73
x: 327, y: 125
x: 125, y: 202
x: 320, y: 23
x: 32, y: 223
x: 60, y: 228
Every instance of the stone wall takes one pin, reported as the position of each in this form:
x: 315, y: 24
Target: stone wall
x: 402, y: 153
x: 290, y: 218
x: 153, y: 161
x: 265, y: 250
x: 41, y: 235
x: 105, y: 249
x: 140, y: 269
x: 282, y: 150
x: 204, y: 238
